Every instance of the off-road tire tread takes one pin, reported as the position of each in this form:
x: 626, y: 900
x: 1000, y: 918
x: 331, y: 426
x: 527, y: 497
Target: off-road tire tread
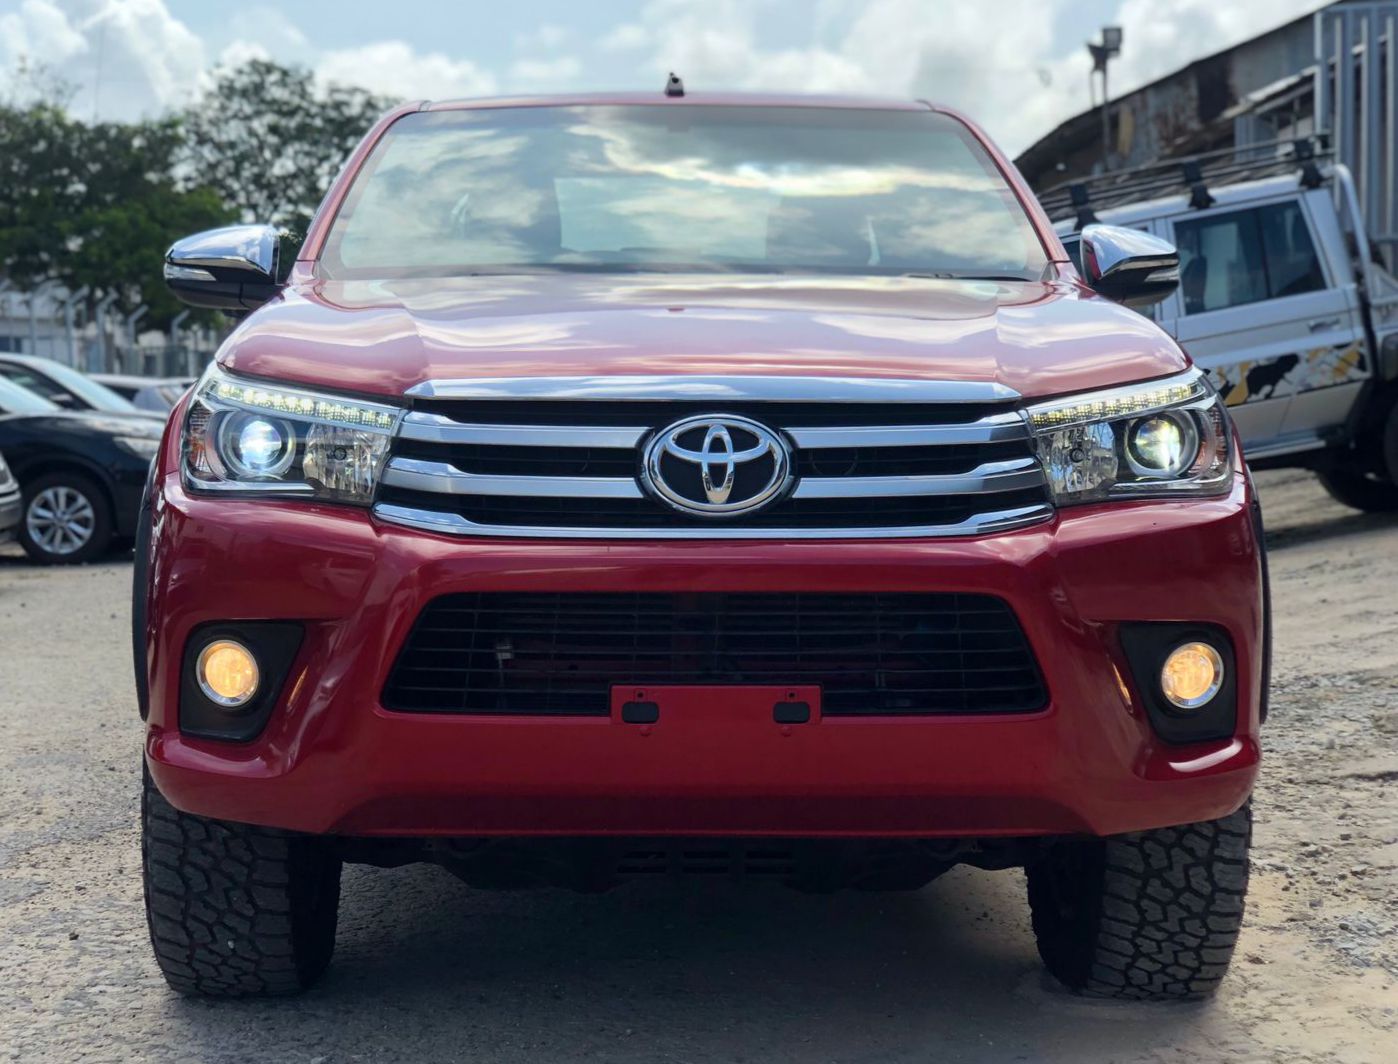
x: 235, y: 910
x: 1158, y: 911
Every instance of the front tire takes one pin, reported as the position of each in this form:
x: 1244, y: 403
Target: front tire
x: 66, y: 519
x: 1152, y: 915
x: 235, y: 910
x: 1370, y: 493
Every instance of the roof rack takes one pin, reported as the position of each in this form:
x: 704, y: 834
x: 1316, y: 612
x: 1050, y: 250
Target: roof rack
x: 1193, y: 174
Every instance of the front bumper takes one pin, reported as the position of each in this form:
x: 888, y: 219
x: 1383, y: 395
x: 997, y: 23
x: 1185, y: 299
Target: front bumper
x: 11, y: 508
x: 332, y: 760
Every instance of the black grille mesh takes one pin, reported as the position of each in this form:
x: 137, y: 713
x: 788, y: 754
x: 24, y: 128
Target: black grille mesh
x: 546, y: 653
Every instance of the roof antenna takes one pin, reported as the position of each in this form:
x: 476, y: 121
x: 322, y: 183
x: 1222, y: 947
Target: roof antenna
x: 673, y: 85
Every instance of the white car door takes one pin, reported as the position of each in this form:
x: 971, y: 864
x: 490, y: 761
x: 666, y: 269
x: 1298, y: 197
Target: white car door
x: 1269, y: 319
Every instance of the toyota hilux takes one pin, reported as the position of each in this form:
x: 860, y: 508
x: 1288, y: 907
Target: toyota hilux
x: 628, y: 485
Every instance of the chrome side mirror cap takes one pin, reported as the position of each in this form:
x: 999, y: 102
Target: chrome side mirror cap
x: 235, y: 268
x: 1128, y: 265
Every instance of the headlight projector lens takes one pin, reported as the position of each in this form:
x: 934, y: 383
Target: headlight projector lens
x: 1162, y: 445
x: 258, y: 446
x: 1191, y: 675
x: 227, y: 673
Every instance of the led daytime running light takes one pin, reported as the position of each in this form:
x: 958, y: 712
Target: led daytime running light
x: 1109, y: 406
x: 337, y: 411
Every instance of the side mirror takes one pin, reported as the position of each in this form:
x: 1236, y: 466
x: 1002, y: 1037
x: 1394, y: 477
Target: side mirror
x: 234, y: 268
x: 1129, y: 266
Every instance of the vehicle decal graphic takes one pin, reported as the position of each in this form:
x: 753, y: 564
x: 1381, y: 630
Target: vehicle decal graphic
x: 1290, y: 374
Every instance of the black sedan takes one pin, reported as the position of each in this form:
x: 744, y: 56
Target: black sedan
x: 80, y: 474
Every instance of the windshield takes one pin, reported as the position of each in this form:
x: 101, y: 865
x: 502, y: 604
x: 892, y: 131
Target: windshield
x: 53, y: 378
x: 692, y: 187
x: 15, y: 400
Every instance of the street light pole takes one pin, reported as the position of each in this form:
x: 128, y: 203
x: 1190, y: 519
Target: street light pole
x: 1109, y: 49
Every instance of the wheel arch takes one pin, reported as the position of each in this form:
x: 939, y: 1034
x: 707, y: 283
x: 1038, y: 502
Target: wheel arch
x: 67, y: 463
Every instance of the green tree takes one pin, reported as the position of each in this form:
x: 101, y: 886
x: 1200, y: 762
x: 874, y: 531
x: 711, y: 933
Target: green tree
x: 96, y: 205
x: 269, y: 140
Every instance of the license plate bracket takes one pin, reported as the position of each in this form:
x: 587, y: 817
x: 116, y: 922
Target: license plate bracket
x: 655, y: 705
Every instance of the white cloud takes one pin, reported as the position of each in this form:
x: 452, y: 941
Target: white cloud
x: 131, y: 57
x: 626, y: 37
x: 39, y: 29
x: 544, y: 38
x: 395, y: 69
x: 988, y: 57
x: 544, y: 74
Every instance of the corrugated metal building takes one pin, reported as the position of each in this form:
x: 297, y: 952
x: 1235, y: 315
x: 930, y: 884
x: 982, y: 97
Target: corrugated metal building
x: 1311, y: 75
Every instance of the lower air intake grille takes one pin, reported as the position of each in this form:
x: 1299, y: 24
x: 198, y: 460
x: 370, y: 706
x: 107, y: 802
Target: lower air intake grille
x: 542, y: 653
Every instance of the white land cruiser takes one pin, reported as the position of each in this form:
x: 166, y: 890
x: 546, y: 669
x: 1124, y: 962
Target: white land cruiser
x: 1281, y: 300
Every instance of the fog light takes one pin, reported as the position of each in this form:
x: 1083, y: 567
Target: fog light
x: 227, y: 673
x: 1192, y: 675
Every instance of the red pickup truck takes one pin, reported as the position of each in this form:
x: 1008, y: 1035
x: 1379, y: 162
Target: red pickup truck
x: 630, y: 485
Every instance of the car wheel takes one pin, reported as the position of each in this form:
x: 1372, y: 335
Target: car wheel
x: 235, y: 910
x: 1370, y: 493
x: 66, y: 519
x: 1151, y: 915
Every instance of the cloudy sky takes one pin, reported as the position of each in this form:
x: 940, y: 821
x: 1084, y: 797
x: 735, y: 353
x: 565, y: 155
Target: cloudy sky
x: 1019, y: 66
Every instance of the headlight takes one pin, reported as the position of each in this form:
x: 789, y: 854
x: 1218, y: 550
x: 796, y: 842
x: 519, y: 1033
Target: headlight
x: 245, y: 437
x: 1165, y: 438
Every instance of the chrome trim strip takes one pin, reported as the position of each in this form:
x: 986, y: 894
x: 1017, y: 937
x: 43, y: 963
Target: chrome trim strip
x: 435, y: 428
x: 456, y: 525
x: 1280, y: 447
x: 719, y: 388
x: 993, y: 429
x: 1012, y: 475
x: 446, y: 479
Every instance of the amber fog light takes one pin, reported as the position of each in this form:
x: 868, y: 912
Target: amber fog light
x: 227, y: 673
x: 1192, y: 675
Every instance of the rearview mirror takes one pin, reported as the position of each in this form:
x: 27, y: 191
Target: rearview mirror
x: 1128, y: 265
x: 234, y: 268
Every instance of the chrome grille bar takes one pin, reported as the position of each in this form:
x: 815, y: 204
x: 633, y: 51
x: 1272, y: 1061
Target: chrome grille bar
x: 996, y: 428
x: 455, y: 524
x: 417, y: 475
x: 562, y: 457
x: 735, y: 387
x: 435, y: 428
x: 1014, y: 475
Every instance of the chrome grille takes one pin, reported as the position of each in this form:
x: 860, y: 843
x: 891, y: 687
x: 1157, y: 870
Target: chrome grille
x: 562, y: 458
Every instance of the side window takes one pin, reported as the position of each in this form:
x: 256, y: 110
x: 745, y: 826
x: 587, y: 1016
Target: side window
x: 1230, y: 260
x: 1293, y: 266
x: 30, y: 381
x: 1073, y: 246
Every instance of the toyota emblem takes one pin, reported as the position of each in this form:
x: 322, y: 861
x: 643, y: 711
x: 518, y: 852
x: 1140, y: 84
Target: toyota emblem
x: 717, y: 465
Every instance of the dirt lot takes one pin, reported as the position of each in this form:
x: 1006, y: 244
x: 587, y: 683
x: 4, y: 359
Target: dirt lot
x: 428, y: 970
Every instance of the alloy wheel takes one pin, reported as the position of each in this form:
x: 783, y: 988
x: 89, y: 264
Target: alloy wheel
x: 61, y: 519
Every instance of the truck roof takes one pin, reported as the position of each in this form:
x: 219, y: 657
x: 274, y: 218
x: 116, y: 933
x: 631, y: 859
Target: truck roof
x: 689, y: 99
x: 1223, y: 195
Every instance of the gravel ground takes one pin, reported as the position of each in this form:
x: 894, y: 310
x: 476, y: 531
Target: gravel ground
x: 427, y: 969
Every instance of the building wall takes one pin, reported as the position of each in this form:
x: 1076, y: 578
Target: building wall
x: 1178, y: 114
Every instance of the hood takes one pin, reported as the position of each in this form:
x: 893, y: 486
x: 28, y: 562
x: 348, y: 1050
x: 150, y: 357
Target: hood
x: 383, y: 337
x: 88, y: 423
